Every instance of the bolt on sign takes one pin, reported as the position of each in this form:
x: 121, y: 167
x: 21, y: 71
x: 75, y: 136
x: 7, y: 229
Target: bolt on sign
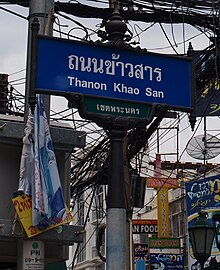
x: 33, y: 255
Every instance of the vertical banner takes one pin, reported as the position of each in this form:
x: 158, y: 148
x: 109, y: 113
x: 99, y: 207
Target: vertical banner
x: 162, y: 204
x: 203, y: 194
x: 47, y: 196
x: 39, y: 180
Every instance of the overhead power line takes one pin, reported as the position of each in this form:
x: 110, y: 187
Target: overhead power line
x: 14, y: 13
x: 195, y: 13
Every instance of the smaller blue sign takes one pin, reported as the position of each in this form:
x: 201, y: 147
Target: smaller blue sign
x: 140, y: 265
x: 166, y: 261
x: 65, y: 66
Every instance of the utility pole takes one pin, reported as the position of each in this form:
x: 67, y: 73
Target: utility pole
x: 43, y: 10
x: 40, y: 20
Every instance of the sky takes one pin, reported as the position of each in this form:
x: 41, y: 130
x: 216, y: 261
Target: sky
x: 13, y: 33
x: 13, y: 44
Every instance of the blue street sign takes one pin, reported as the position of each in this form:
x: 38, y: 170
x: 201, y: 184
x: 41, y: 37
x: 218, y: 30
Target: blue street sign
x: 65, y: 66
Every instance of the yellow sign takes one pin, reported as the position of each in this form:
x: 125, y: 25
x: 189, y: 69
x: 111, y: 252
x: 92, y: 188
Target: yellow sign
x: 163, y: 213
x: 23, y: 207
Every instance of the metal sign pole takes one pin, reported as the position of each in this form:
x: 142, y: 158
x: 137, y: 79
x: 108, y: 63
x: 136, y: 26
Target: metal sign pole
x: 116, y: 211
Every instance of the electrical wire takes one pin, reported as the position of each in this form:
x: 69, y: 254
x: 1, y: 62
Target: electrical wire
x: 12, y: 12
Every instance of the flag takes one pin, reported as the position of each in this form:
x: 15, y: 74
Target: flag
x: 39, y: 176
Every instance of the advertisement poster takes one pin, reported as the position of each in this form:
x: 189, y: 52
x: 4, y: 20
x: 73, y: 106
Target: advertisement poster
x: 23, y: 207
x: 203, y: 194
x: 166, y: 261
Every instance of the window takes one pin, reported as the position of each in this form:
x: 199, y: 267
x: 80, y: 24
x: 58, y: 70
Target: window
x: 98, y: 211
x: 80, y: 208
x: 82, y: 251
